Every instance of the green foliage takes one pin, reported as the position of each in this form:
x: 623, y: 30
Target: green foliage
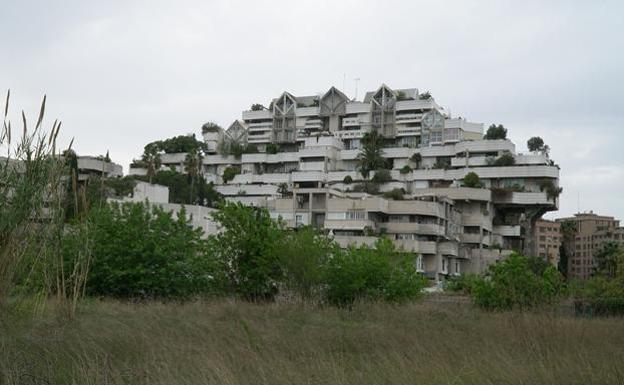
x: 506, y: 159
x: 442, y: 163
x: 417, y: 159
x: 347, y: 179
x: 179, y: 185
x: 248, y: 247
x: 371, y: 155
x: 552, y: 191
x: 230, y: 172
x: 461, y: 284
x: 211, y: 127
x: 142, y: 251
x: 282, y: 189
x: 272, y: 148
x: 257, y: 107
x: 382, y: 176
x: 496, y: 132
x: 609, y: 258
x: 535, y: 144
x: 120, y: 187
x: 513, y: 283
x: 472, y: 180
x: 367, y: 187
x: 405, y: 169
x: 395, y: 193
x: 176, y: 144
x: 425, y: 96
x: 303, y: 256
x: 603, y: 296
x: 372, y: 273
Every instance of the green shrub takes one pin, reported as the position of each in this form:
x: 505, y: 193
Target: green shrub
x: 442, y: 163
x: 142, y: 251
x: 506, y: 159
x: 511, y: 283
x: 472, y: 180
x: 461, y: 284
x: 272, y: 148
x: 303, y: 256
x: 552, y: 191
x: 367, y: 187
x: 603, y: 296
x: 395, y: 193
x: 248, y: 248
x: 496, y: 132
x: 405, y: 169
x: 372, y: 273
x: 347, y: 179
x: 382, y: 176
x: 230, y: 172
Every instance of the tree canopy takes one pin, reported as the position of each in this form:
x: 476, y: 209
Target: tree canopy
x: 496, y: 132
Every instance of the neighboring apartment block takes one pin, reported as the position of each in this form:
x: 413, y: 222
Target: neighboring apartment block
x: 314, y: 180
x: 584, y: 235
x: 547, y: 236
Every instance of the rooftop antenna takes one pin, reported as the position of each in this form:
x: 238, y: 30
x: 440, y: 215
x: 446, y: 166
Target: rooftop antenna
x: 357, y: 80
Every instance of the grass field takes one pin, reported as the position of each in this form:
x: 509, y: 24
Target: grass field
x: 239, y: 343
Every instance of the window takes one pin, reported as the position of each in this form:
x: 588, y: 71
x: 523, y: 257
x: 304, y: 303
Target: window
x: 444, y: 265
x: 420, y: 265
x: 457, y: 270
x: 355, y: 215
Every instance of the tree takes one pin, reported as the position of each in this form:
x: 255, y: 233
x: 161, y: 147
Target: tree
x: 609, y: 258
x: 382, y: 176
x: 416, y: 158
x: 272, y: 148
x: 373, y: 273
x: 405, y: 169
x: 211, y: 127
x: 303, y: 256
x: 230, y: 172
x: 282, y: 189
x: 203, y: 194
x: 371, y: 155
x: 535, y: 144
x: 516, y: 282
x: 257, y: 107
x: 193, y: 168
x: 177, y: 144
x: 496, y: 132
x: 472, y: 180
x: 248, y: 248
x: 142, y: 251
x: 151, y: 160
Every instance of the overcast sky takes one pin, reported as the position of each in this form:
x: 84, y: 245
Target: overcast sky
x: 122, y: 73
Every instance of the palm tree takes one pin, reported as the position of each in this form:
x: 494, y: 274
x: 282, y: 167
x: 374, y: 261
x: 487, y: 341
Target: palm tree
x: 151, y: 159
x: 193, y: 167
x: 371, y: 157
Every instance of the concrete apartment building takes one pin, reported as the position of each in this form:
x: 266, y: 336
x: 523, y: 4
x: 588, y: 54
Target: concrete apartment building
x: 587, y: 234
x: 313, y: 179
x: 548, y: 238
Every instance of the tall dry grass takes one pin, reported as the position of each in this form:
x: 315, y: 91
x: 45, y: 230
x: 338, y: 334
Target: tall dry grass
x: 240, y: 343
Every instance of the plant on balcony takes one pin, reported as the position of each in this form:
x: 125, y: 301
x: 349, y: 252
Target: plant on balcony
x: 283, y: 190
x: 371, y: 154
x: 535, y: 144
x: 506, y: 159
x: 250, y: 149
x: 496, y: 132
x: 425, y: 96
x: 472, y: 180
x: 417, y: 159
x: 552, y: 191
x: 137, y: 164
x: 230, y: 172
x: 347, y: 179
x: 211, y: 127
x: 382, y: 176
x: 405, y: 169
x: 272, y: 148
x: 442, y: 163
x: 257, y: 107
x: 367, y: 187
x: 177, y: 144
x: 395, y: 194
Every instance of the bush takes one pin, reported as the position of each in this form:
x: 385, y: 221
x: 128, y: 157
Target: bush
x: 257, y: 107
x: 535, y: 144
x: 506, y: 159
x: 395, y: 193
x: 405, y: 169
x: 230, y: 172
x: 347, y: 179
x: 472, y: 180
x: 303, y: 256
x: 603, y: 296
x: 372, y: 273
x: 442, y: 163
x: 461, y: 284
x: 211, y: 127
x: 177, y: 144
x: 512, y: 283
x: 272, y: 148
x: 382, y: 176
x: 142, y: 251
x: 552, y: 191
x: 367, y: 187
x: 248, y: 248
x: 496, y: 132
